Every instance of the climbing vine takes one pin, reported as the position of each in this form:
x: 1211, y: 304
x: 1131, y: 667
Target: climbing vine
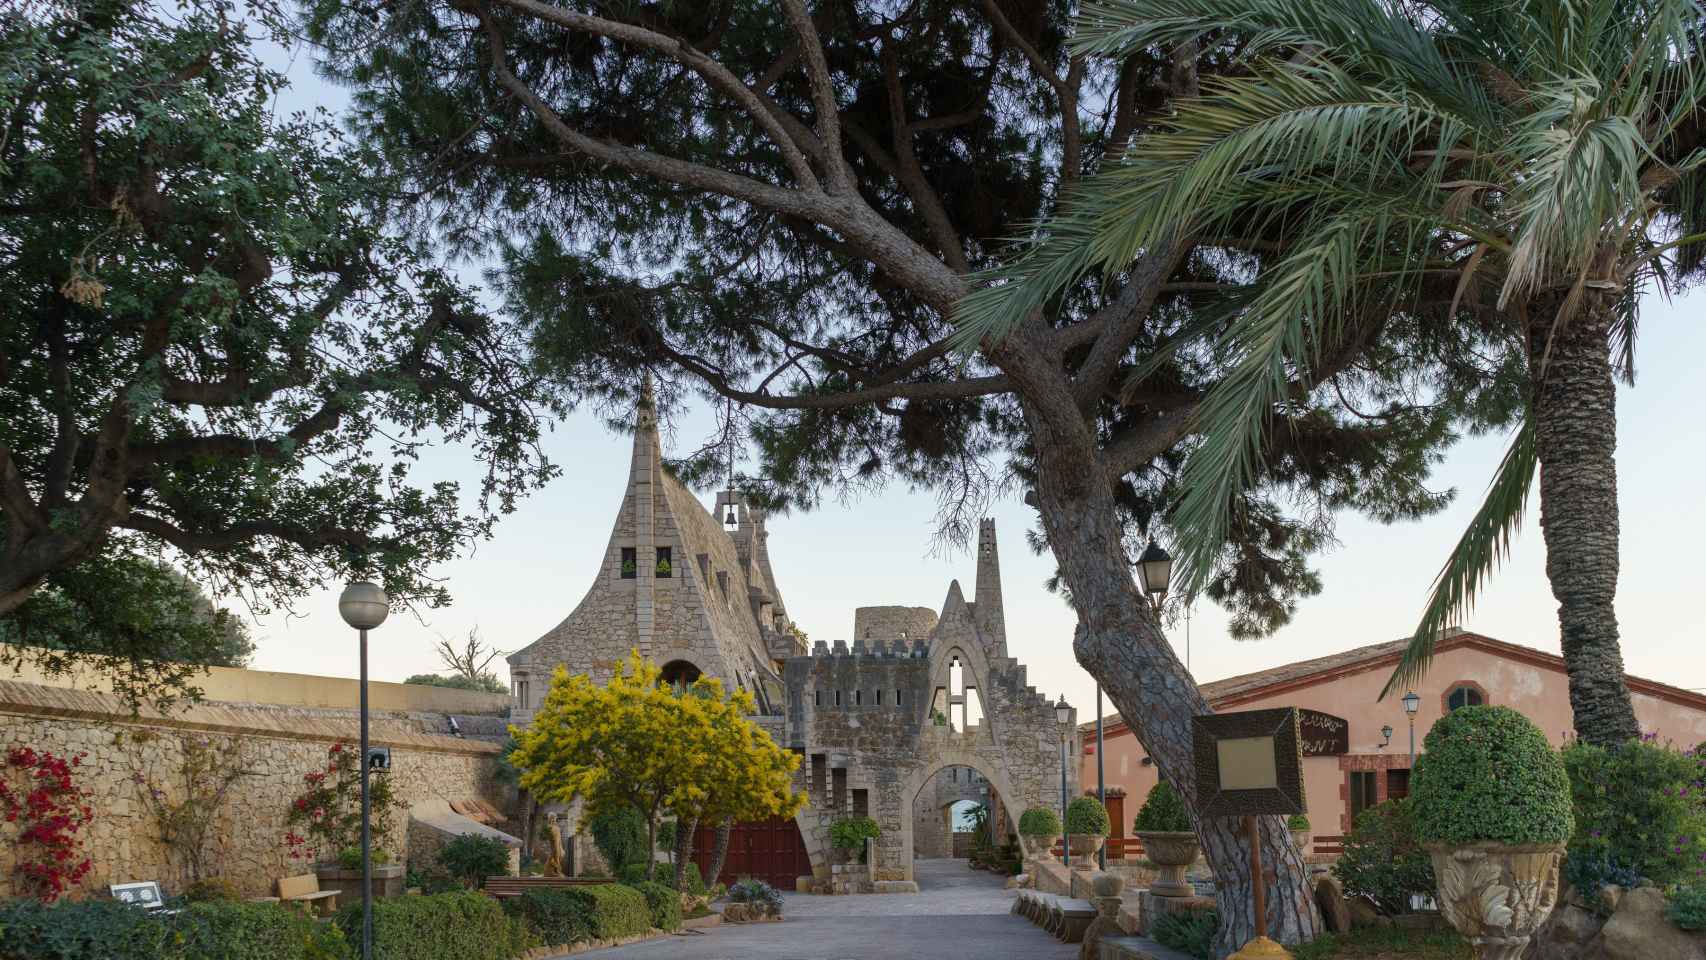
x: 186, y: 804
x: 39, y: 793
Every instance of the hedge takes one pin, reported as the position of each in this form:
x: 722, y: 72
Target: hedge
x: 447, y: 926
x: 604, y: 911
x: 108, y: 930
x: 664, y: 904
x: 617, y: 910
x: 1490, y: 776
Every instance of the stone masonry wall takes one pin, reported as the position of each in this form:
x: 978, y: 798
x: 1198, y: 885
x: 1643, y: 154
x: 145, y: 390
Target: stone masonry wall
x: 279, y: 745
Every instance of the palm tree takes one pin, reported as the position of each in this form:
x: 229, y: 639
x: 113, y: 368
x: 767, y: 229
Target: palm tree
x: 1539, y: 158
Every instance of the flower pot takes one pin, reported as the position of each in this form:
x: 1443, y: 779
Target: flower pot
x: 1300, y: 840
x: 1496, y: 894
x: 1084, y: 849
x: 1172, y: 851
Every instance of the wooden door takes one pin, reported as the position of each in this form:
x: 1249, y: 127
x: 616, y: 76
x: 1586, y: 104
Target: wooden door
x: 769, y: 850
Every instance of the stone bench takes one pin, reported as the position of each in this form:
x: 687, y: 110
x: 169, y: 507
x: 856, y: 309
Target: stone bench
x: 1033, y: 905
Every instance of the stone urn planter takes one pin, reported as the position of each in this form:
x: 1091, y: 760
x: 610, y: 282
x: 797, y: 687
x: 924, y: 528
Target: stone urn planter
x: 1300, y: 840
x: 1172, y: 852
x: 1084, y: 847
x: 387, y: 881
x: 1037, y: 848
x: 1497, y: 894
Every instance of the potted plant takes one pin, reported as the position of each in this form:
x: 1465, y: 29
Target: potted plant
x: 1164, y: 826
x: 1298, y: 824
x: 848, y: 837
x: 1039, y: 828
x: 1491, y: 805
x: 1087, y: 827
x: 324, y: 825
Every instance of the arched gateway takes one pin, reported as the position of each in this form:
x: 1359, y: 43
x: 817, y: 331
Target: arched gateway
x: 915, y: 692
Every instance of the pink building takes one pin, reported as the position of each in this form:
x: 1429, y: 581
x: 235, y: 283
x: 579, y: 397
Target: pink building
x: 1349, y: 762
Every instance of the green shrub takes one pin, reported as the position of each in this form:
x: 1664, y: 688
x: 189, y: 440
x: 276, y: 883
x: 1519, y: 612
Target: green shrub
x: 664, y: 904
x: 464, y: 925
x: 555, y: 916
x: 350, y: 857
x: 1383, y: 862
x: 1297, y: 821
x: 1086, y: 816
x: 1163, y: 811
x: 666, y: 836
x: 108, y: 930
x: 758, y: 893
x: 223, y: 930
x: 851, y: 834
x: 1489, y: 775
x: 1637, y: 808
x: 617, y: 910
x: 212, y: 888
x: 1039, y: 822
x: 631, y: 874
x: 1688, y: 908
x: 1590, y: 872
x: 472, y: 858
x: 620, y: 837
x: 1191, y: 932
x: 691, y: 882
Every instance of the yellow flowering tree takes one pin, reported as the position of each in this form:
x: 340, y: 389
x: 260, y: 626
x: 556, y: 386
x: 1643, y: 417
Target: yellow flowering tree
x: 742, y: 773
x: 637, y: 742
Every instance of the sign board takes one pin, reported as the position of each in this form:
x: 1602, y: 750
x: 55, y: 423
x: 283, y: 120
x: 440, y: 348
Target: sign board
x: 1248, y: 763
x: 1324, y: 735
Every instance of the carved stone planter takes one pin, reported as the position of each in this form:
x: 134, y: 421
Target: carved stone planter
x: 1300, y: 840
x: 1172, y: 852
x: 387, y: 881
x: 1037, y: 848
x: 1496, y: 894
x: 1084, y: 849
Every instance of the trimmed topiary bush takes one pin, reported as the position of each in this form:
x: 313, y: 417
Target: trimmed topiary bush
x: 616, y: 910
x: 1163, y: 811
x: 1490, y: 776
x: 212, y: 889
x: 1383, y: 862
x: 664, y: 904
x: 1297, y: 821
x: 555, y: 916
x: 691, y: 882
x: 1086, y: 817
x: 1039, y: 822
x: 448, y: 926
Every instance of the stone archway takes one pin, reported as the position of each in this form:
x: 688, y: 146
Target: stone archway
x: 999, y: 786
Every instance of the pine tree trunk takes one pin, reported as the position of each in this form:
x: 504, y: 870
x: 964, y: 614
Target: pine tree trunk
x: 684, y: 830
x: 1575, y: 421
x: 1120, y: 643
x: 719, y: 850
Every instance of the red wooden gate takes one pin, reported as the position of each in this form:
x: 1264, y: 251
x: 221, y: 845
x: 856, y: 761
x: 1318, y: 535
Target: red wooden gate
x: 769, y: 850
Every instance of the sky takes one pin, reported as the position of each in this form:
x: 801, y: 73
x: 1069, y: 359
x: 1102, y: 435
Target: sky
x: 879, y: 549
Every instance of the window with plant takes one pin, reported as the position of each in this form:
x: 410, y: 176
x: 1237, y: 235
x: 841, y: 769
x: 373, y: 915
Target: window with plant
x: 851, y: 833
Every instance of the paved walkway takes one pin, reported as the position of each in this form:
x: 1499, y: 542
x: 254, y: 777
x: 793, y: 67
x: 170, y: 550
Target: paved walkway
x: 958, y: 913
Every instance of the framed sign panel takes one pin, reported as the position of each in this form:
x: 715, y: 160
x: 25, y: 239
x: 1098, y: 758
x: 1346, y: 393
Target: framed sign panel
x: 1249, y: 763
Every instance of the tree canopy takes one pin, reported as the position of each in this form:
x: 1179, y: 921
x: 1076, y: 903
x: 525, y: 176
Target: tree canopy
x: 640, y: 744
x: 210, y: 343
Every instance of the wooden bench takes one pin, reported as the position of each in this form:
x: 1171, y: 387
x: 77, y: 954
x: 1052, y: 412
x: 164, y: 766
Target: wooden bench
x: 516, y: 886
x: 305, y: 890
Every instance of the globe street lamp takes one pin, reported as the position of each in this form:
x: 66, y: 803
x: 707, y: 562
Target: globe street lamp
x: 1063, y: 716
x: 1412, y: 703
x: 364, y: 606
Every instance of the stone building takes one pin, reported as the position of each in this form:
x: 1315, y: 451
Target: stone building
x: 875, y: 717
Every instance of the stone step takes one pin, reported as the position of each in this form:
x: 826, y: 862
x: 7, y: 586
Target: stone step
x: 1138, y: 948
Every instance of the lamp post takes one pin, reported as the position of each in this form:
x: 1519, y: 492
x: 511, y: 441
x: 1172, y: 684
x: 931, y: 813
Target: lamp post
x: 364, y: 606
x: 1101, y: 779
x: 1412, y: 703
x: 1063, y: 716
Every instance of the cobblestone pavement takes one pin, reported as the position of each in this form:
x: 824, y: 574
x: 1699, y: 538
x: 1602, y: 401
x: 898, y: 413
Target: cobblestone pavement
x: 959, y: 914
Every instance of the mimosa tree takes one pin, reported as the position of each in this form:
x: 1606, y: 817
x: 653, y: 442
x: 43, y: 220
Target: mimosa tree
x: 639, y: 743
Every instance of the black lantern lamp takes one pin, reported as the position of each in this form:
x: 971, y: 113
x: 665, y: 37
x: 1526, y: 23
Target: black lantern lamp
x: 1155, y: 573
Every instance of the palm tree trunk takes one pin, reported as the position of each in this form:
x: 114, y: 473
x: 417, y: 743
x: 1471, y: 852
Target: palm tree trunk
x: 1575, y: 429
x: 684, y: 830
x: 719, y: 850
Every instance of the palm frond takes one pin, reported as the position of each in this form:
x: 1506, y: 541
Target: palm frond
x: 1483, y: 546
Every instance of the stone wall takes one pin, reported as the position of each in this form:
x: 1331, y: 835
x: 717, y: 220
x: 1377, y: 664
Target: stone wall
x: 279, y: 745
x: 892, y: 623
